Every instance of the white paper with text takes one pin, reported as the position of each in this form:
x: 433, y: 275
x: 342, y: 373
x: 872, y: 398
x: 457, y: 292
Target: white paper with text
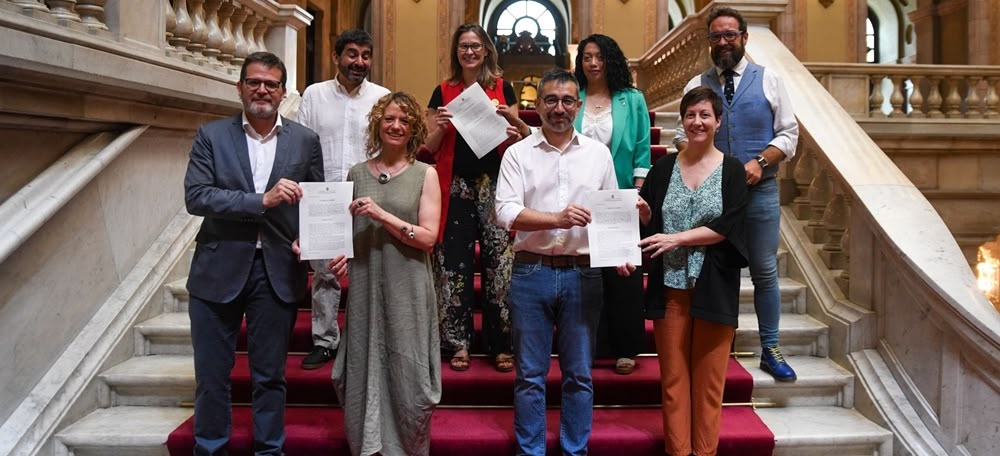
x: 325, y: 223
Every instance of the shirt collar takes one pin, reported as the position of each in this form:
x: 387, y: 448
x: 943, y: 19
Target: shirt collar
x: 538, y: 140
x: 360, y: 90
x: 248, y: 129
x: 739, y: 69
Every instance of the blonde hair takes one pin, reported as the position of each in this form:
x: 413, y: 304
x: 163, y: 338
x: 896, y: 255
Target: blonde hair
x: 414, y: 116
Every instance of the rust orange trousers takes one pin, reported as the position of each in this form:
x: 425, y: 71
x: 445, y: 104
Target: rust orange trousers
x: 693, y: 357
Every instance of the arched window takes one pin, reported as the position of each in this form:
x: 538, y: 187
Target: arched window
x: 871, y: 37
x: 518, y: 25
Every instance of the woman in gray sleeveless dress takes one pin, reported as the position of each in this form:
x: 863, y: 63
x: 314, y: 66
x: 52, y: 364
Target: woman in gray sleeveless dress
x: 388, y: 368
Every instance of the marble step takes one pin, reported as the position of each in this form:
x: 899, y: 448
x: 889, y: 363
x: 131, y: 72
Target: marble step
x: 824, y: 431
x: 793, y: 295
x: 170, y: 334
x: 121, y: 431
x: 167, y: 380
x: 800, y: 334
x: 821, y: 382
x: 799, y: 431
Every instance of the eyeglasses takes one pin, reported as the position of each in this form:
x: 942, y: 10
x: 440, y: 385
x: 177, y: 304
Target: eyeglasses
x: 567, y: 102
x: 729, y: 35
x: 466, y: 47
x: 254, y: 84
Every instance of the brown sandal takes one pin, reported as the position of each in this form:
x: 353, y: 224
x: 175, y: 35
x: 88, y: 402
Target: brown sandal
x: 459, y: 363
x: 504, y: 363
x: 624, y: 366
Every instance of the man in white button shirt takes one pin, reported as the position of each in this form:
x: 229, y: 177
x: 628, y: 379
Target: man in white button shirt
x: 543, y: 180
x: 337, y: 110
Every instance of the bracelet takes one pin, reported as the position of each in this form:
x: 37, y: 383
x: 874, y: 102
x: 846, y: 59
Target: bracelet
x: 403, y: 231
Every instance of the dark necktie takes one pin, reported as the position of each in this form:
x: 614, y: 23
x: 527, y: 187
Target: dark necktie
x: 730, y: 87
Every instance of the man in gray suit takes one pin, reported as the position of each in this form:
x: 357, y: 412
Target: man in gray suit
x: 242, y: 177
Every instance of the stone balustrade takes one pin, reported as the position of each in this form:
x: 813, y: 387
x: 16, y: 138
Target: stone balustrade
x: 213, y: 35
x: 889, y: 279
x: 913, y: 91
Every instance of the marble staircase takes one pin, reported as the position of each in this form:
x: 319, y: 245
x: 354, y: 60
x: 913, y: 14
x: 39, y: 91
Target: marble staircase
x: 146, y: 397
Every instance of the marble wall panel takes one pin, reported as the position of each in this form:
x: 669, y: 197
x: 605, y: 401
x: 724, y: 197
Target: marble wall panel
x: 921, y: 169
x: 26, y: 153
x: 989, y: 177
x: 958, y: 172
x: 979, y: 408
x: 142, y: 190
x: 52, y: 286
x: 907, y: 326
x: 971, y: 215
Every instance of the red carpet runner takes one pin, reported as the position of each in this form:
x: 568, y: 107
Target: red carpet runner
x: 314, y: 423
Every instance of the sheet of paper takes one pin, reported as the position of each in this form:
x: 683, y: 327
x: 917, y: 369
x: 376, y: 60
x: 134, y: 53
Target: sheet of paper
x: 613, y: 232
x: 475, y: 116
x: 325, y: 223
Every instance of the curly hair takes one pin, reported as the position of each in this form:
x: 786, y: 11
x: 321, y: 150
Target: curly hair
x: 414, y: 116
x: 490, y: 69
x: 615, y: 65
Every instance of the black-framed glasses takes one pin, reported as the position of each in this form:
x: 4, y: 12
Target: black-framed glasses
x: 466, y: 47
x: 567, y: 102
x: 729, y: 35
x: 254, y: 84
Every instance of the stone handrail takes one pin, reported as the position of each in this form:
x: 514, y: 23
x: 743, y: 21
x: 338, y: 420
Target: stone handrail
x: 913, y: 91
x: 204, y: 37
x: 922, y: 338
x: 32, y: 206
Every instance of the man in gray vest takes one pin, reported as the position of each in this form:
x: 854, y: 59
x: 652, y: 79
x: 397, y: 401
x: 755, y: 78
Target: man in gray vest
x: 759, y: 128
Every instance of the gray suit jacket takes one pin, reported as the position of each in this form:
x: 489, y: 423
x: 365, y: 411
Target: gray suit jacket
x: 219, y: 186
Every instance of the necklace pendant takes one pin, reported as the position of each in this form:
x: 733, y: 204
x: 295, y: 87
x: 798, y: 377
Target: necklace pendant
x: 383, y: 178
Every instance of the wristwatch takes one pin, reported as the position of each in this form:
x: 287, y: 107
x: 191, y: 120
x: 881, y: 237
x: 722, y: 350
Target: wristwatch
x: 761, y: 161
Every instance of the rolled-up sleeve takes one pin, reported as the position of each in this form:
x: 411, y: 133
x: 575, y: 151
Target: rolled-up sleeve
x: 786, y: 128
x: 510, y: 190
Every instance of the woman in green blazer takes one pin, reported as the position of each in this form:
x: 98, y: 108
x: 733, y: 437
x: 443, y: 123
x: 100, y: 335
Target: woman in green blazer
x: 614, y: 113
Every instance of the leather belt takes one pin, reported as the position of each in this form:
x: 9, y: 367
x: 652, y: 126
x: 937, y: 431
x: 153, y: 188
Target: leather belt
x: 554, y: 261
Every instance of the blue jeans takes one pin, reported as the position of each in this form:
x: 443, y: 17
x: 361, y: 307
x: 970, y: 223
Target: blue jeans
x: 763, y: 219
x: 569, y: 299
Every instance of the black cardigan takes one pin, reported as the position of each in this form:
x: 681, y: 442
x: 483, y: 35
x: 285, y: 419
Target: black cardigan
x: 717, y: 290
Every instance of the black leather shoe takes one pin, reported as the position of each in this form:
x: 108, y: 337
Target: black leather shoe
x: 317, y: 358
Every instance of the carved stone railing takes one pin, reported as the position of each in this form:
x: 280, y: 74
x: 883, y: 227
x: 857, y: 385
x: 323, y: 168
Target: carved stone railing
x: 209, y: 37
x: 913, y: 91
x: 886, y: 275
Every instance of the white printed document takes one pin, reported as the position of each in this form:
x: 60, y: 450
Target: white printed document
x: 325, y: 223
x: 475, y: 116
x: 613, y: 232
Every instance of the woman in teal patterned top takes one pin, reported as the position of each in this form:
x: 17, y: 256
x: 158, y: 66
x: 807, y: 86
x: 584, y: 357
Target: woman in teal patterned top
x: 695, y: 237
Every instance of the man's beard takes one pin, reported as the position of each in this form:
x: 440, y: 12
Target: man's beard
x: 728, y: 62
x: 260, y: 111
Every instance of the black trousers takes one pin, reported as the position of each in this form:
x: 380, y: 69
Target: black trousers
x: 622, y: 330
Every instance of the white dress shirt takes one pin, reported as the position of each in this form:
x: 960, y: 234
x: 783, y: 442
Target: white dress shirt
x: 786, y: 128
x: 535, y: 174
x: 340, y: 118
x: 262, y: 150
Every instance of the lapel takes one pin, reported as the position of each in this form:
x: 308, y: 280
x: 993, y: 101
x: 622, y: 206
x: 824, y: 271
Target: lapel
x: 748, y: 78
x: 280, y: 154
x: 578, y: 122
x: 619, y: 113
x: 240, y: 148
